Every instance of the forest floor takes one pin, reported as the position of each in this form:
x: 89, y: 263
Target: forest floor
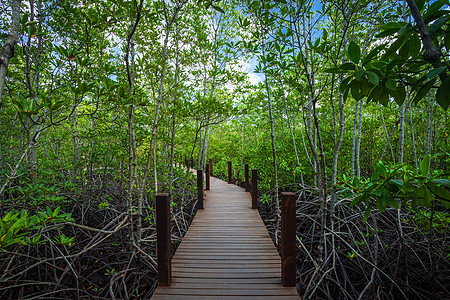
x: 388, y: 257
x: 100, y: 262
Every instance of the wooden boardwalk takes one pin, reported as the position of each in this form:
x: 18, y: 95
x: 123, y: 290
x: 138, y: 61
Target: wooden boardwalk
x: 227, y: 253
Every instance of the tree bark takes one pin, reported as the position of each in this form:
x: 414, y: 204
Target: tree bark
x: 272, y: 136
x: 358, y: 140
x: 8, y: 48
x: 355, y: 123
x: 429, y: 125
x: 401, y: 138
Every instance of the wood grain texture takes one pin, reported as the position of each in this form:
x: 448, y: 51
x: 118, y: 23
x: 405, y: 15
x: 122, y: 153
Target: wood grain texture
x: 227, y: 253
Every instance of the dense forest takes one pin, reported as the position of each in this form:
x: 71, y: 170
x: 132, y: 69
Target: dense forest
x: 343, y: 102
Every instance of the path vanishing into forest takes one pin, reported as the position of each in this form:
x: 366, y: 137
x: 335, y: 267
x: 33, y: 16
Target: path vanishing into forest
x: 227, y: 253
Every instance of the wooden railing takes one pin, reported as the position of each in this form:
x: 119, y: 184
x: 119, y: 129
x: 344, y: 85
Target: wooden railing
x: 288, y: 224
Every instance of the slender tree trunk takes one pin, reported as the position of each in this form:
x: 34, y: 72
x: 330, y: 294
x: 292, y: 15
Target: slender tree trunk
x: 358, y: 141
x: 429, y: 125
x: 172, y: 140
x: 294, y: 144
x: 388, y: 139
x: 205, y: 152
x: 355, y: 123
x: 401, y: 139
x: 8, y: 48
x: 272, y: 136
x: 413, y: 139
x: 160, y: 92
x: 135, y: 220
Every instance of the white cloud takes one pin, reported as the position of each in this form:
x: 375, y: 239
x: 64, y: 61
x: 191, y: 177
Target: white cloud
x: 248, y: 67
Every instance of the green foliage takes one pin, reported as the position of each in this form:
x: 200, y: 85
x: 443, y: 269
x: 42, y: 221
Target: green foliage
x: 402, y: 184
x: 23, y: 228
x: 399, y: 61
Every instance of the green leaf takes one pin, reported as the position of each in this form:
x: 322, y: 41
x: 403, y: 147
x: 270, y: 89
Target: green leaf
x: 447, y: 41
x: 383, y: 200
x: 395, y: 46
x: 347, y: 66
x: 387, y: 32
x: 367, y: 213
x: 419, y: 82
x: 380, y: 168
x: 374, y: 94
x: 441, y: 181
x: 437, y: 24
x: 57, y: 105
x: 424, y: 90
x: 56, y: 212
x: 334, y: 71
x: 414, y: 45
x: 393, y: 203
x: 425, y: 165
x: 446, y: 204
x: 355, y: 90
x: 404, y: 50
x: 344, y: 83
x: 419, y: 4
x: 374, y: 52
x: 443, y: 94
x: 396, y: 25
x: 359, y: 74
x: 390, y: 84
x: 379, y: 94
x: 354, y: 52
x: 373, y: 78
x: 399, y: 95
x: 365, y: 87
x: 218, y: 9
x: 375, y: 175
x: 435, y: 72
x: 439, y: 191
x: 428, y: 197
x: 434, y: 8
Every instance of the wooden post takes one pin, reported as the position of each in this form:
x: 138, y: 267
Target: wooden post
x: 163, y: 243
x: 207, y: 177
x: 210, y: 167
x: 254, y: 188
x: 200, y: 189
x: 247, y: 185
x: 288, y: 238
x: 229, y: 172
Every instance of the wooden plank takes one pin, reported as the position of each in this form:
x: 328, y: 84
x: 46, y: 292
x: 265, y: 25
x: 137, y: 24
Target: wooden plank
x: 234, y: 285
x: 224, y: 292
x: 198, y: 297
x: 274, y: 280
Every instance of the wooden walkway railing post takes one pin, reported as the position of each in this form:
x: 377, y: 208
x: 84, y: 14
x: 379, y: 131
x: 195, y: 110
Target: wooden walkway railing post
x: 200, y: 188
x: 163, y: 242
x: 207, y: 177
x: 254, y: 188
x: 288, y: 238
x: 229, y: 172
x: 210, y: 167
x: 247, y: 184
